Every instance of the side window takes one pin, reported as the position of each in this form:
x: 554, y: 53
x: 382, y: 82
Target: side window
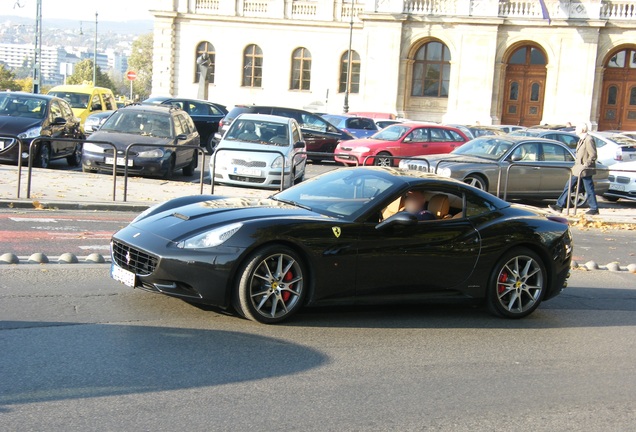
x: 66, y: 110
x: 56, y: 111
x: 197, y: 109
x: 453, y: 136
x: 96, y: 103
x: 314, y: 122
x: 109, y: 103
x: 297, y: 135
x: 417, y: 135
x: 476, y: 205
x: 526, y: 152
x: 568, y: 140
x: 190, y: 123
x: 214, y: 110
x: 367, y: 124
x: 555, y: 153
x: 437, y: 135
x: 599, y: 142
x: 178, y: 127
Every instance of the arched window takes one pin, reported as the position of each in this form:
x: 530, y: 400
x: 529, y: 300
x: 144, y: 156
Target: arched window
x: 252, y: 66
x: 354, y: 85
x: 205, y: 48
x: 431, y: 70
x: 301, y: 69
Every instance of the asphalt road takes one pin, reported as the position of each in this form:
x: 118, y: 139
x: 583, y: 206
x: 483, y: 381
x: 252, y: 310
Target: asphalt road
x: 83, y: 353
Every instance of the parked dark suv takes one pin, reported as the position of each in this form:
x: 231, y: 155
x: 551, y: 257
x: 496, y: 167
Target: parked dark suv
x: 319, y: 135
x: 145, y: 124
x: 28, y: 116
x: 206, y: 116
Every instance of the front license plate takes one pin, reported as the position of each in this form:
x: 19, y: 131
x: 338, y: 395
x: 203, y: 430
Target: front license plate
x: 247, y: 171
x: 2, y: 145
x: 120, y: 161
x: 122, y: 275
x: 618, y: 187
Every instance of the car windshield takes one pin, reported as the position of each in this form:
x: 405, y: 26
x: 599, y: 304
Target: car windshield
x: 334, y: 120
x: 344, y: 193
x: 77, y: 100
x: 392, y: 133
x: 257, y: 131
x: 623, y: 141
x: 488, y: 148
x: 139, y: 123
x: 22, y: 106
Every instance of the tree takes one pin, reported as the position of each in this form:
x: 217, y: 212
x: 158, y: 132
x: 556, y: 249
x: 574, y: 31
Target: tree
x: 83, y: 72
x: 140, y: 61
x: 7, y: 79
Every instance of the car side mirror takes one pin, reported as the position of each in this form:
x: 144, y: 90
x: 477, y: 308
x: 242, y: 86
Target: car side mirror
x: 299, y: 144
x: 59, y: 121
x: 400, y: 218
x: 182, y: 137
x: 516, y: 157
x: 408, y: 139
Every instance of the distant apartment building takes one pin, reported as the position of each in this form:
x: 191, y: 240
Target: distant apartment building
x: 456, y: 61
x: 19, y: 55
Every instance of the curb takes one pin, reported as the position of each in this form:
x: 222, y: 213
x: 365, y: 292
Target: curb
x: 67, y: 205
x: 66, y: 258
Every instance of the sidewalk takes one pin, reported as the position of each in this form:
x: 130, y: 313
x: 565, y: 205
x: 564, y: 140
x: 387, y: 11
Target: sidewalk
x: 68, y: 190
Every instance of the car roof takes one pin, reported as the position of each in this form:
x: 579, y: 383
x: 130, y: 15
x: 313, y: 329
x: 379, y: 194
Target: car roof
x: 31, y: 95
x: 265, y: 117
x: 164, y: 109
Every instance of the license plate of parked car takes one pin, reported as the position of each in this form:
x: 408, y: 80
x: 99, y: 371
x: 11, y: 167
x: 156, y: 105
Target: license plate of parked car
x: 120, y: 161
x: 2, y: 144
x: 122, y: 275
x: 618, y: 187
x: 247, y: 171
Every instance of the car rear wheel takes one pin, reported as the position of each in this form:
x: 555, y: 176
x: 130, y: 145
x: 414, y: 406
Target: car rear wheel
x: 476, y: 181
x: 271, y: 286
x: 580, y: 200
x: 209, y: 147
x: 76, y: 158
x: 44, y: 156
x: 517, y: 284
x: 383, y: 159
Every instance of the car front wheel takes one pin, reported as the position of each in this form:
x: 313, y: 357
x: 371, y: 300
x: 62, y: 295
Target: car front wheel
x: 271, y: 286
x: 76, y: 158
x: 476, y: 181
x: 383, y: 159
x: 517, y: 284
x: 44, y: 156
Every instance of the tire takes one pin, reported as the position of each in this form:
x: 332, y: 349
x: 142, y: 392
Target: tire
x: 271, y: 287
x: 517, y: 284
x: 188, y: 170
x: 44, y: 156
x: 476, y: 181
x: 169, y: 173
x: 76, y: 158
x: 383, y: 159
x: 209, y: 146
x: 581, y: 201
x: 300, y: 179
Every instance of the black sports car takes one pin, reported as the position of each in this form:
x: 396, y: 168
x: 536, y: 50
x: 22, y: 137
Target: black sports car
x: 344, y: 236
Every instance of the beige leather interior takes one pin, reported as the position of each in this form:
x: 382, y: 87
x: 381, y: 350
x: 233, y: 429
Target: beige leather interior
x: 439, y: 206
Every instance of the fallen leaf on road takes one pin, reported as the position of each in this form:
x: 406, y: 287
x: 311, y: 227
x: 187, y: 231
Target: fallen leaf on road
x: 38, y: 205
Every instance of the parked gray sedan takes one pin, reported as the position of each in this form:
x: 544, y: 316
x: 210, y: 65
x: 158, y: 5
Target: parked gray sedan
x: 522, y: 167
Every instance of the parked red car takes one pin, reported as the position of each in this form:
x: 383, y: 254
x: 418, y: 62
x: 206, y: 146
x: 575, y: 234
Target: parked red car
x: 400, y: 140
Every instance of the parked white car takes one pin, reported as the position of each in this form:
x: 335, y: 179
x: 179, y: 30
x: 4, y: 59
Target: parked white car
x: 622, y: 178
x: 254, y: 150
x: 614, y: 147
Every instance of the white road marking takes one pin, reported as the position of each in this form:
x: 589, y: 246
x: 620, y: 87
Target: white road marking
x: 41, y: 220
x: 96, y: 247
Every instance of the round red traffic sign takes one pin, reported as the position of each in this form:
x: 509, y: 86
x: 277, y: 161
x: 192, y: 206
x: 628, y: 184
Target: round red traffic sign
x: 131, y: 75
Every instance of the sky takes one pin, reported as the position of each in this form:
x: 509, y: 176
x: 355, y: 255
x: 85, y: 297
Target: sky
x: 80, y: 10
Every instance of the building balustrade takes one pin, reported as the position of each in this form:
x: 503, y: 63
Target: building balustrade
x: 341, y: 10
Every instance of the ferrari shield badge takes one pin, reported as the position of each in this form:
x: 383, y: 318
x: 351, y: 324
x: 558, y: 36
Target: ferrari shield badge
x: 336, y: 231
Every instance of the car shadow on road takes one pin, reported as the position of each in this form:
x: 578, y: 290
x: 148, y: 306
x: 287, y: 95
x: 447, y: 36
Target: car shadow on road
x: 574, y: 308
x: 44, y: 361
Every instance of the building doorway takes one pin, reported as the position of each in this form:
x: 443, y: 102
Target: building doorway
x: 618, y: 99
x: 525, y: 87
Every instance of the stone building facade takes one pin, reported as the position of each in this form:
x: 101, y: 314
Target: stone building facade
x: 454, y: 61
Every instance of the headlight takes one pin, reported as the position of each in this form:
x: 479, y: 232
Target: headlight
x: 360, y: 149
x: 31, y: 133
x: 210, y: 238
x: 444, y: 172
x: 156, y: 153
x: 278, y: 162
x: 89, y: 147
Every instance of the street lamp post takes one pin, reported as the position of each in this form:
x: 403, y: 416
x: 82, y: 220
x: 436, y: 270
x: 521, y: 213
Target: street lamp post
x: 95, y: 54
x: 37, y: 52
x: 345, y: 107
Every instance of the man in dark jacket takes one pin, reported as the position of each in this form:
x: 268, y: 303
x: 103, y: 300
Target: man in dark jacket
x: 584, y: 168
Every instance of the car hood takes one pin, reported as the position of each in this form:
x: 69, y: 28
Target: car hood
x: 630, y: 166
x: 455, y: 158
x: 123, y: 140
x: 180, y: 222
x: 16, y: 125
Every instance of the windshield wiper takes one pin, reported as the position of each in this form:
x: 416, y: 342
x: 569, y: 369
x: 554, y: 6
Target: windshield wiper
x: 290, y: 202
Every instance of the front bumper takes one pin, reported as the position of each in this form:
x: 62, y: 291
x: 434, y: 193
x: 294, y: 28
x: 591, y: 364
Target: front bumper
x: 136, y: 165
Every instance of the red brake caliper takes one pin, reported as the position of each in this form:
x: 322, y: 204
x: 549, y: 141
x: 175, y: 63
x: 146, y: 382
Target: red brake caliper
x: 286, y: 294
x: 503, y: 278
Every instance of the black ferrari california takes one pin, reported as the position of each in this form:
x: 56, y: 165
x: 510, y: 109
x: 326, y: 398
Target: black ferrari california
x: 354, y: 235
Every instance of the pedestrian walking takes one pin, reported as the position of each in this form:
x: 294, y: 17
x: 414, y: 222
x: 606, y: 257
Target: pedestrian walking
x: 584, y: 168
